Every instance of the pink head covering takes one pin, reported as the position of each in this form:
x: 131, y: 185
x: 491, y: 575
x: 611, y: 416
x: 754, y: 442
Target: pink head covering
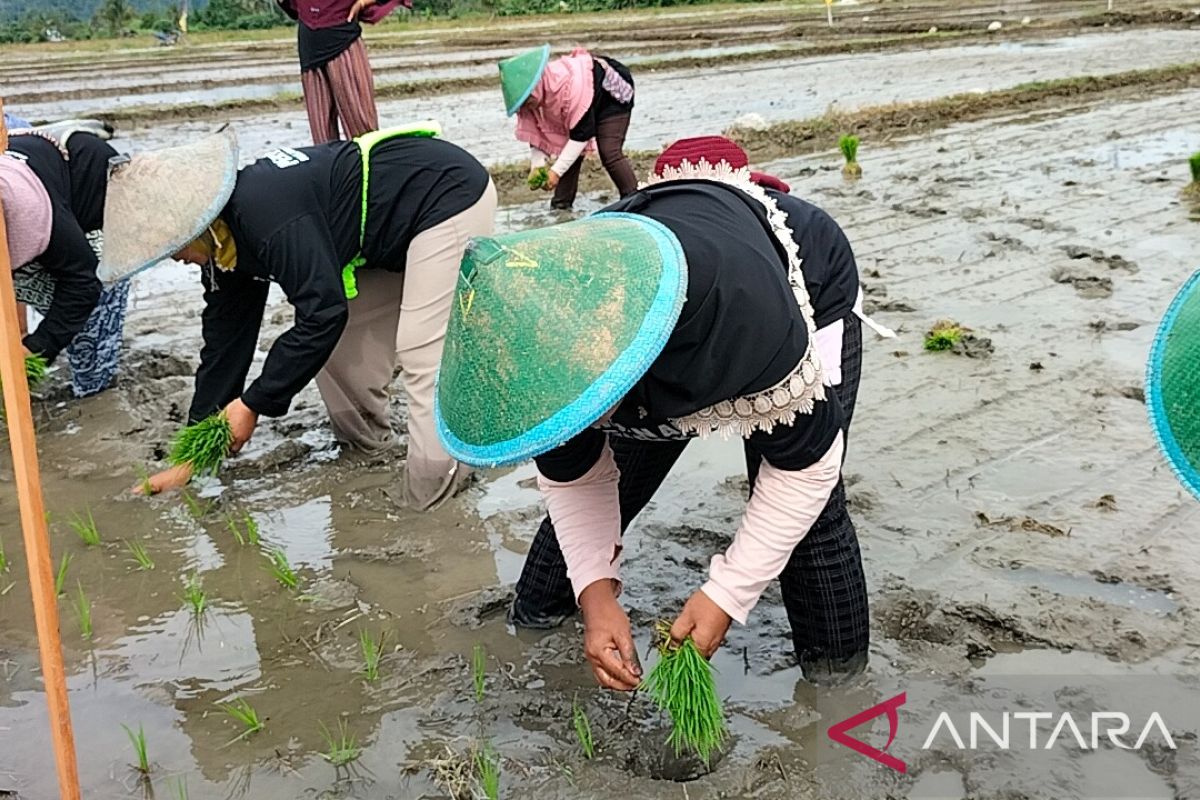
x: 27, y: 213
x: 562, y: 97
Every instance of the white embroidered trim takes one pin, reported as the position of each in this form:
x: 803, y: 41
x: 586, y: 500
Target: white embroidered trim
x: 62, y: 148
x: 796, y: 393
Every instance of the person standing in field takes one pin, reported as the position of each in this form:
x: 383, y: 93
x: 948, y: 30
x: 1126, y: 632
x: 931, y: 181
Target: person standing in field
x: 569, y: 106
x: 334, y: 70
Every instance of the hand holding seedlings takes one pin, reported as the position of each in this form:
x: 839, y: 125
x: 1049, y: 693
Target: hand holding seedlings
x: 607, y: 639
x: 702, y: 620
x: 682, y: 684
x: 538, y: 177
x: 242, y: 421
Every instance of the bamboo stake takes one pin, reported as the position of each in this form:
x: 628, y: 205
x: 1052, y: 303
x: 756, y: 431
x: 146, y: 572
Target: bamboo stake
x: 33, y: 517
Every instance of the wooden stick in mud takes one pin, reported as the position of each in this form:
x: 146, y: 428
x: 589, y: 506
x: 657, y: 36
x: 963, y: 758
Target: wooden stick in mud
x: 28, y: 481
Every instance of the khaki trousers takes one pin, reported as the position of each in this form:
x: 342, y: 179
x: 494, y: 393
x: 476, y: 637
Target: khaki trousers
x: 400, y: 319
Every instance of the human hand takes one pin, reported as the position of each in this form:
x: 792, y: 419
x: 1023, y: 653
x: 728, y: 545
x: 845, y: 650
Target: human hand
x: 172, y: 478
x: 357, y: 8
x: 242, y: 422
x: 704, y: 621
x: 607, y: 640
x: 551, y: 181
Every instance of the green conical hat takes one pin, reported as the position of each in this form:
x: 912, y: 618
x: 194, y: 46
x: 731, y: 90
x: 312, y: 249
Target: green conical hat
x: 550, y: 329
x: 1173, y: 384
x: 520, y: 74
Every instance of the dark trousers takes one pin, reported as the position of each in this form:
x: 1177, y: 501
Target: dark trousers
x: 823, y: 586
x: 610, y: 142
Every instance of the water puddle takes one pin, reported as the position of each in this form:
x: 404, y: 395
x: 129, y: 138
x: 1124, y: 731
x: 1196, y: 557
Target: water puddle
x: 1121, y: 594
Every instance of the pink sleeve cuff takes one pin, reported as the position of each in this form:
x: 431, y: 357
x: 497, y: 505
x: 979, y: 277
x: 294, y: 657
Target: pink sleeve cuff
x: 783, y: 508
x: 587, y: 520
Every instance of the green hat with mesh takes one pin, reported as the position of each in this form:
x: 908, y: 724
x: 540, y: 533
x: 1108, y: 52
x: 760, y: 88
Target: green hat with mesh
x: 1173, y: 385
x: 520, y: 74
x: 550, y: 328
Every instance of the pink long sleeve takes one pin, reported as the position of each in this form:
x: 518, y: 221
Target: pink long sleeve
x: 784, y: 506
x: 587, y: 519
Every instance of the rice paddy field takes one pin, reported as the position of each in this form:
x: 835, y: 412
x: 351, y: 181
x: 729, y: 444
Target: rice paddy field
x: 290, y: 629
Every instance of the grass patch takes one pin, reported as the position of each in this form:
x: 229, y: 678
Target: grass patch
x: 682, y: 684
x: 60, y: 577
x: 943, y: 336
x: 244, y: 530
x: 583, y: 729
x: 479, y: 672
x: 341, y: 748
x: 83, y: 611
x: 138, y: 740
x: 85, y: 528
x: 372, y: 654
x: 137, y: 551
x: 243, y: 713
x: 487, y: 769
x: 281, y: 570
x: 203, y: 445
x: 194, y: 596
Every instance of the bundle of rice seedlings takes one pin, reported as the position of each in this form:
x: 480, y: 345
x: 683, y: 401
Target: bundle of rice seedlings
x: 203, y: 445
x: 1193, y: 188
x: 848, y: 144
x: 539, y: 178
x: 682, y: 685
x: 35, y: 369
x: 943, y: 336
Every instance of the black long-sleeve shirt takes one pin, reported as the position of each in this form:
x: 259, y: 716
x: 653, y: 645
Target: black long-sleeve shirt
x: 830, y: 271
x: 295, y: 217
x: 77, y: 189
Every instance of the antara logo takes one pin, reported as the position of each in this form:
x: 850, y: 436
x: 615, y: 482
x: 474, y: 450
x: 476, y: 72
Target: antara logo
x: 838, y: 732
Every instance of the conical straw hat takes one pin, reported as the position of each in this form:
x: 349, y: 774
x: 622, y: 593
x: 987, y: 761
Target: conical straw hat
x: 550, y: 328
x: 520, y: 74
x: 163, y: 199
x: 1173, y: 384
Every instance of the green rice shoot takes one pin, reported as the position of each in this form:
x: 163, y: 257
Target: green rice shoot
x: 3, y: 559
x: 137, y: 551
x: 943, y: 336
x: 487, y: 768
x: 138, y: 740
x: 281, y: 570
x: 35, y: 369
x: 479, y: 672
x: 242, y: 712
x: 179, y: 787
x: 539, y: 178
x: 203, y: 445
x: 60, y: 578
x: 244, y: 530
x: 372, y: 654
x: 85, y: 528
x: 194, y: 596
x: 83, y: 611
x: 195, y: 507
x: 144, y: 481
x: 583, y: 729
x: 342, y: 748
x: 848, y: 144
x: 682, y: 685
x: 1194, y: 164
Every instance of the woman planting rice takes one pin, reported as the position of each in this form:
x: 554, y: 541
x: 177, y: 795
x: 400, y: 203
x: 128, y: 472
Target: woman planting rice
x: 600, y: 347
x: 365, y: 239
x: 572, y: 105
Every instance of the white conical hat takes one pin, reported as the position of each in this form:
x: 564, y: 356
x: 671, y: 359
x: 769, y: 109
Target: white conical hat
x: 161, y: 200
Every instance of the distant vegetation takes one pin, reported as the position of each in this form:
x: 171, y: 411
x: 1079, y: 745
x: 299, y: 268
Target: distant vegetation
x: 56, y: 20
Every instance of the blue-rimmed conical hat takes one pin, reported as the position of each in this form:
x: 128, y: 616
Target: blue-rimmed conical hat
x: 550, y: 328
x: 1173, y: 384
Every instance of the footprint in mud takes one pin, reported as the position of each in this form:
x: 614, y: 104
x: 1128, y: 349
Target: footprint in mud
x: 1087, y: 285
x: 1078, y: 253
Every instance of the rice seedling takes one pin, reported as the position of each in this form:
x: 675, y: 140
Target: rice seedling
x: 60, y: 577
x: 583, y: 729
x: 179, y: 788
x: 539, y: 178
x: 137, y: 551
x: 343, y: 748
x: 35, y: 369
x: 372, y: 654
x: 487, y: 767
x: 848, y: 144
x: 85, y: 528
x: 83, y: 611
x: 3, y: 559
x: 479, y: 671
x: 1194, y: 164
x: 244, y: 713
x: 144, y: 484
x: 943, y: 336
x: 682, y: 684
x: 195, y: 507
x: 138, y: 740
x: 281, y: 570
x: 244, y: 530
x: 203, y: 445
x: 194, y: 595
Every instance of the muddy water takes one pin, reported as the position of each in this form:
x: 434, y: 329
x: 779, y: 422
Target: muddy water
x: 1016, y: 519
